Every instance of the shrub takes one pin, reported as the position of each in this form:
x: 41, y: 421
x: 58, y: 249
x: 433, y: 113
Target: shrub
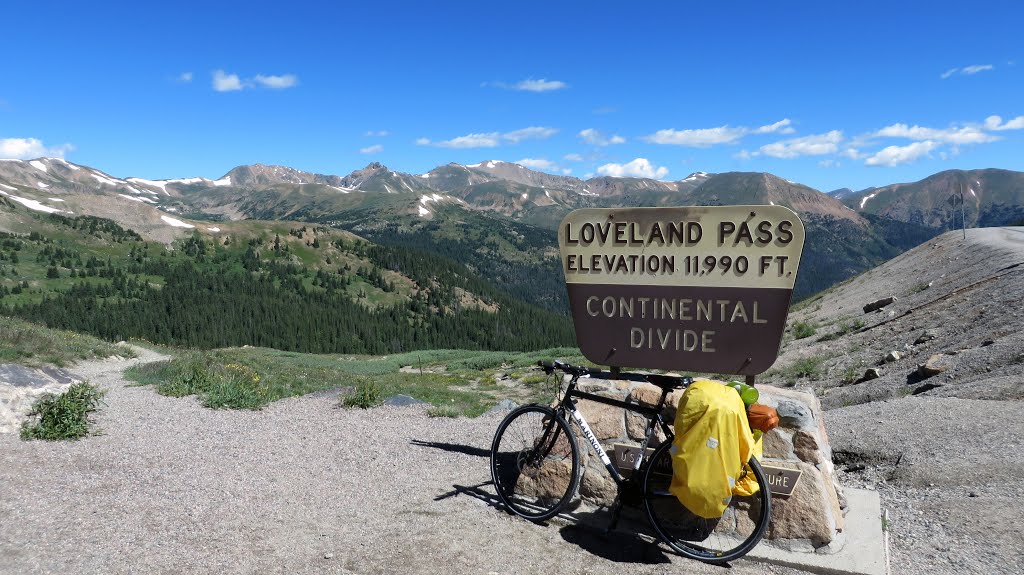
x: 64, y: 416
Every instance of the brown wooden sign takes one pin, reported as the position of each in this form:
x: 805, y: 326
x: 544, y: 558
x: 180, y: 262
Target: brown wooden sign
x: 690, y: 288
x: 781, y: 481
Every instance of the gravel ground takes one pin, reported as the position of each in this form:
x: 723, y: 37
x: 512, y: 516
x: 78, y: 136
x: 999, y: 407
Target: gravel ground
x: 947, y: 470
x: 299, y: 487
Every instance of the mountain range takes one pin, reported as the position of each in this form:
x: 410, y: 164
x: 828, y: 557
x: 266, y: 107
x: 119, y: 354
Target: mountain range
x: 498, y: 218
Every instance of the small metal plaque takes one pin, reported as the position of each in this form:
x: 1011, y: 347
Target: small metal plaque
x: 625, y: 456
x: 781, y: 480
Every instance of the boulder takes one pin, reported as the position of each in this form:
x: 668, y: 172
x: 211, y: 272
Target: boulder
x: 402, y: 400
x: 502, y: 406
x: 807, y: 515
x: 869, y: 374
x: 935, y: 365
x: 926, y: 335
x: 892, y: 356
x: 879, y: 304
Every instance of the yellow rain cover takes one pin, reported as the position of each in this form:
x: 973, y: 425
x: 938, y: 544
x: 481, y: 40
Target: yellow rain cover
x: 711, y: 447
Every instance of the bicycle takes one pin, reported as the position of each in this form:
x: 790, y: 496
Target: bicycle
x: 535, y: 467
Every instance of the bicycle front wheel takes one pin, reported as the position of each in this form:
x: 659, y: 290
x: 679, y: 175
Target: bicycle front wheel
x: 534, y: 462
x: 716, y: 540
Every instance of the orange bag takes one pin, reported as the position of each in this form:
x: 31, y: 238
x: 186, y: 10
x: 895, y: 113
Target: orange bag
x: 762, y: 417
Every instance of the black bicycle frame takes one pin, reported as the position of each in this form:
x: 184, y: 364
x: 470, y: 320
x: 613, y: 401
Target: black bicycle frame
x: 653, y: 415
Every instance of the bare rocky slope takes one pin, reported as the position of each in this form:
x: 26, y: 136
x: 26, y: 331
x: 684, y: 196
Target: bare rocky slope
x: 938, y: 432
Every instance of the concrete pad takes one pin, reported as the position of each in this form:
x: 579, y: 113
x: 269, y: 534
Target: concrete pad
x: 864, y: 552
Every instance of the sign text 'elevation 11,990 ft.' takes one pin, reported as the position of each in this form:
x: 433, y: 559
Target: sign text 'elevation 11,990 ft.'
x: 690, y: 288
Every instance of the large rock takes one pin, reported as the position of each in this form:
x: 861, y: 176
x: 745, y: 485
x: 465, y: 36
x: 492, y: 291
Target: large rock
x: 606, y: 421
x: 879, y: 304
x: 803, y: 517
x: 934, y: 365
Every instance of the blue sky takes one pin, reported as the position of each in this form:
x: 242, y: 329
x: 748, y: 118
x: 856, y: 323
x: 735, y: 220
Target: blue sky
x: 828, y: 94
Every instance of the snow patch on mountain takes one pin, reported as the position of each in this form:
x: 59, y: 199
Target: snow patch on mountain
x: 865, y: 199
x: 68, y: 164
x: 32, y: 204
x: 12, y: 188
x: 225, y: 181
x: 424, y: 212
x: 38, y: 165
x: 137, y: 198
x: 105, y: 180
x: 175, y: 222
x: 41, y: 185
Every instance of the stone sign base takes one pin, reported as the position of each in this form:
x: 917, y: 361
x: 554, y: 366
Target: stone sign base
x: 811, y: 519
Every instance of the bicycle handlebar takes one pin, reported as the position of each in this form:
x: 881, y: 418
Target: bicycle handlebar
x: 667, y: 381
x: 575, y: 370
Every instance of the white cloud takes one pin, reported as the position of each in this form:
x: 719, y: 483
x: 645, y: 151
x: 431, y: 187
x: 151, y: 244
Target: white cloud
x: 276, y: 82
x: 378, y: 133
x: 896, y: 155
x: 996, y: 123
x: 566, y: 171
x: 638, y: 168
x: 829, y: 163
x: 491, y: 139
x: 185, y: 77
x: 374, y: 149
x: 29, y: 148
x: 573, y: 157
x: 706, y: 137
x: 962, y: 135
x: 816, y: 145
x: 595, y: 138
x: 967, y: 70
x: 538, y: 164
x: 699, y: 138
x: 531, y: 133
x: 783, y: 126
x: 542, y: 85
x: 223, y: 82
x: 971, y: 70
x: 852, y: 153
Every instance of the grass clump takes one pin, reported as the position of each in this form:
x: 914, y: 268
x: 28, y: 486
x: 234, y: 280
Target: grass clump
x: 218, y: 384
x: 366, y: 395
x: 803, y: 329
x: 809, y: 367
x: 34, y: 345
x: 64, y: 416
x: 843, y: 329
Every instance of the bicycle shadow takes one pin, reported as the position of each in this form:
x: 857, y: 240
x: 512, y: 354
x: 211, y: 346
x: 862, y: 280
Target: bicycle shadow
x: 585, y: 529
x: 453, y: 447
x: 624, y: 545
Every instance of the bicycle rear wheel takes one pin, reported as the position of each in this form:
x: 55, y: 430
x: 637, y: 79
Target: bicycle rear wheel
x: 709, y: 540
x: 534, y: 462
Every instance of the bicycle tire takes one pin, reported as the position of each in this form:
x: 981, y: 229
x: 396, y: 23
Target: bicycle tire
x: 714, y: 541
x: 534, y: 462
